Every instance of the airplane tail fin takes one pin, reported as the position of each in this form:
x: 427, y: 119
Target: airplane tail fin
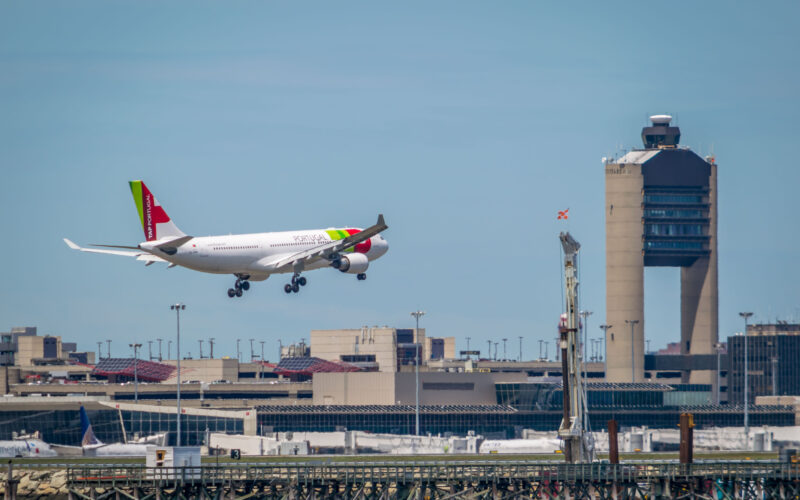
x: 155, y: 221
x: 87, y: 434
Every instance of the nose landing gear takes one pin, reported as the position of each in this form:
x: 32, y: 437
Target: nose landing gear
x: 297, y: 282
x: 361, y: 276
x: 239, y: 287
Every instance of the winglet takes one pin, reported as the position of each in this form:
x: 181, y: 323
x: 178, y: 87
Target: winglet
x: 71, y: 244
x: 381, y: 222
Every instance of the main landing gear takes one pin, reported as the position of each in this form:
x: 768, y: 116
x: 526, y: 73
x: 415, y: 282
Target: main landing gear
x: 294, y: 286
x: 241, y: 286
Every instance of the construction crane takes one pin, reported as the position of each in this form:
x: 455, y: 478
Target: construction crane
x: 578, y: 444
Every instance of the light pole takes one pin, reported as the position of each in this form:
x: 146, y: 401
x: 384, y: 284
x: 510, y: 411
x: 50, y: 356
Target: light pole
x: 159, y: 349
x: 238, y: 352
x: 540, y: 349
x: 505, y: 357
x: 774, y: 376
x: 252, y: 352
x: 109, y: 348
x: 169, y: 349
x: 99, y: 352
x: 489, y: 355
x: 718, y: 348
x: 200, y: 341
x: 632, y: 322
x: 135, y: 371
x: 149, y: 350
x: 520, y: 348
x: 417, y: 315
x: 495, y: 350
x: 746, y: 315
x: 585, y: 315
x: 261, y: 364
x: 211, y: 344
x: 468, y: 344
x: 605, y: 329
x: 178, y: 308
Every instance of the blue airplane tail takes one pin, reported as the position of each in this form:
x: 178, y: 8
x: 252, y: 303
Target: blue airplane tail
x: 87, y: 434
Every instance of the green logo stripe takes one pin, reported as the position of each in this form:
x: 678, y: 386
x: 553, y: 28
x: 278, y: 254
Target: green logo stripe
x: 136, y: 190
x: 338, y: 234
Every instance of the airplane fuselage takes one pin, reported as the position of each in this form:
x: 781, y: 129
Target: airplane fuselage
x: 252, y: 254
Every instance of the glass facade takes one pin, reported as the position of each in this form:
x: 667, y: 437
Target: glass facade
x: 673, y: 245
x: 673, y: 229
x: 64, y: 426
x: 763, y: 372
x: 193, y: 427
x: 675, y: 225
x: 400, y: 419
x: 501, y: 423
x: 674, y: 213
x: 673, y: 198
x: 60, y: 426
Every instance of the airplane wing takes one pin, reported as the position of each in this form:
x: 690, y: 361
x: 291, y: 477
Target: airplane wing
x: 327, y: 249
x: 140, y: 255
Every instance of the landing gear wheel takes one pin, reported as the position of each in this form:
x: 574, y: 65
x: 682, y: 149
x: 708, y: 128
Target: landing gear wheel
x: 361, y: 276
x: 295, y: 288
x: 239, y: 292
x: 245, y: 285
x: 302, y: 281
x: 231, y: 292
x: 287, y: 288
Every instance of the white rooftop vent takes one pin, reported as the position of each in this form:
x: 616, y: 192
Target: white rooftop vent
x: 661, y: 119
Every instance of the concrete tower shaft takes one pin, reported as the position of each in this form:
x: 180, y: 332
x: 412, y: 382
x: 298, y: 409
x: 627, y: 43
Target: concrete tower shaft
x: 624, y: 271
x: 700, y: 296
x: 661, y: 210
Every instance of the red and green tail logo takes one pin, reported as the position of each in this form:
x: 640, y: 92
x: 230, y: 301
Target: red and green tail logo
x: 151, y: 214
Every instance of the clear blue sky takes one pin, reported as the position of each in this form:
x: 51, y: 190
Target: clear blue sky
x: 468, y: 124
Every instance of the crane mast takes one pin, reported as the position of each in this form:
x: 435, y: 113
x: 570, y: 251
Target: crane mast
x: 578, y: 443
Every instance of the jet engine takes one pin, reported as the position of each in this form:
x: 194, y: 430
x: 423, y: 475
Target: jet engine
x: 354, y: 263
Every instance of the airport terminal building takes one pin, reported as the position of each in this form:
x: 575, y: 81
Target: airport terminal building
x: 493, y: 398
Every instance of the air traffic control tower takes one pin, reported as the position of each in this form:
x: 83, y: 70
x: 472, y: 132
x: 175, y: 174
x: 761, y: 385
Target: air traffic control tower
x: 661, y: 210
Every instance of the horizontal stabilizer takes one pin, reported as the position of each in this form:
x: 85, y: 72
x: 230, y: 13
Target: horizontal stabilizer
x: 138, y: 254
x: 104, y: 246
x: 175, y: 243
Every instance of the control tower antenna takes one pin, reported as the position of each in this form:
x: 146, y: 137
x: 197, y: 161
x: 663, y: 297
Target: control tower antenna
x: 578, y: 442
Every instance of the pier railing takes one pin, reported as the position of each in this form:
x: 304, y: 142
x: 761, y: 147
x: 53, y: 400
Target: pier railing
x: 444, y: 480
x: 429, y: 472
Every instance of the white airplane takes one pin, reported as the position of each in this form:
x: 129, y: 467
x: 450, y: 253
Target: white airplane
x: 93, y: 447
x: 32, y: 448
x: 249, y: 257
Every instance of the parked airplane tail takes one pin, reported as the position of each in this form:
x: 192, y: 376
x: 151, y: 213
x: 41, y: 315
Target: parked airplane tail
x: 155, y: 221
x: 87, y: 434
